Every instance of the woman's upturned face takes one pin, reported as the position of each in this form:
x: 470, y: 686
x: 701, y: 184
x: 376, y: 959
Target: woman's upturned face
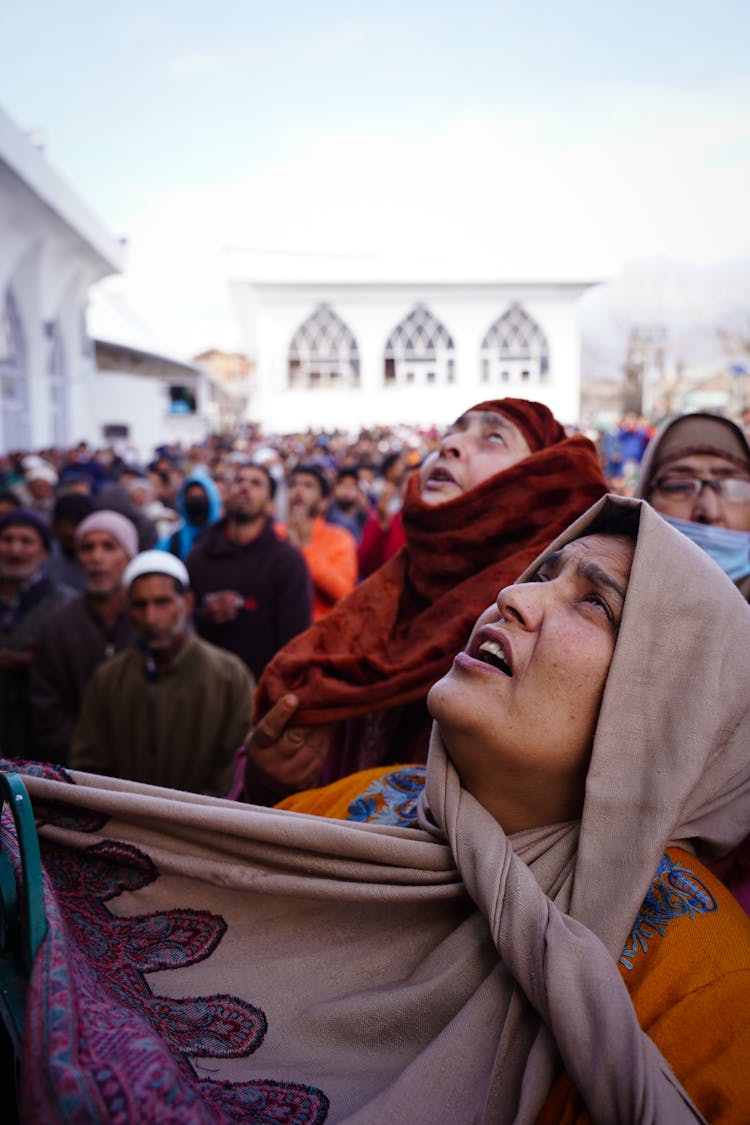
x: 519, y: 706
x: 478, y: 445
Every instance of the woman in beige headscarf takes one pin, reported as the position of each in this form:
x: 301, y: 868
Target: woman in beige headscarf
x: 696, y: 473
x: 591, y: 753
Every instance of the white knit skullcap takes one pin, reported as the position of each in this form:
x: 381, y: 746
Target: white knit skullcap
x: 156, y: 562
x: 113, y: 523
x: 41, y: 471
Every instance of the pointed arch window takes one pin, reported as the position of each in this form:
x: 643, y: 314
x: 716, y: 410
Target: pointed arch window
x: 323, y: 352
x: 419, y: 351
x: 14, y: 383
x: 57, y: 381
x: 515, y: 350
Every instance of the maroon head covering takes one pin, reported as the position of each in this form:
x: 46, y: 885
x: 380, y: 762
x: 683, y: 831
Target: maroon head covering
x: 536, y: 422
x: 387, y: 642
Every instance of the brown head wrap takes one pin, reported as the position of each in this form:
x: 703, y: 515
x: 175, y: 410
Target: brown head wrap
x: 536, y: 422
x: 385, y: 644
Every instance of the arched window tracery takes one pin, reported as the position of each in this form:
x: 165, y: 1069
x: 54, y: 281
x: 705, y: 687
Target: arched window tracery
x: 419, y: 351
x: 323, y: 352
x: 514, y: 350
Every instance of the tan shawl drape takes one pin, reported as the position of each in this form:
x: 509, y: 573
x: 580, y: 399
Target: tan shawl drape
x: 373, y: 951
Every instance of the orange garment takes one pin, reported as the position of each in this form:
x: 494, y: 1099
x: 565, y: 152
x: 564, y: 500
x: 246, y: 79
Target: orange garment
x: 334, y: 800
x: 331, y: 557
x: 687, y: 972
x: 691, y: 991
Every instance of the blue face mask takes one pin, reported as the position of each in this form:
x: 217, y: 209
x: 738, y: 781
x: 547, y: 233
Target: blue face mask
x: 730, y: 549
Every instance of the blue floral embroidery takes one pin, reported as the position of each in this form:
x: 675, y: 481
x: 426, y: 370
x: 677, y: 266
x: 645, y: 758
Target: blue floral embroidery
x: 391, y: 799
x: 674, y: 892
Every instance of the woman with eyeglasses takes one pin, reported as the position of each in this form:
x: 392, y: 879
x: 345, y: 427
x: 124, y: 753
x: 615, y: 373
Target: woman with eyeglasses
x: 696, y: 474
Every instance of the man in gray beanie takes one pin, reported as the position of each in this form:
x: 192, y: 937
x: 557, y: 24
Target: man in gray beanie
x: 172, y: 709
x: 78, y: 636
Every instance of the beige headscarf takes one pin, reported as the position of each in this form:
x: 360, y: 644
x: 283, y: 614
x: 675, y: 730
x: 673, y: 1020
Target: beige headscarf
x: 379, y: 974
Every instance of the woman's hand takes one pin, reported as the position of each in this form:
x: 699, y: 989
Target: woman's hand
x: 291, y: 756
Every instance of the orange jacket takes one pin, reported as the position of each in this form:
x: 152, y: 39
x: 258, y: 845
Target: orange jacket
x: 331, y: 557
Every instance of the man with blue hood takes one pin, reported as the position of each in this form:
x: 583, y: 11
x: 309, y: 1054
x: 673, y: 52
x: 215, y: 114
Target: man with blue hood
x: 696, y: 474
x: 199, y: 504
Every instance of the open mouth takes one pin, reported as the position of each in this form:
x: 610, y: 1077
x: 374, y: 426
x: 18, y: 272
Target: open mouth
x: 439, y: 474
x: 490, y: 652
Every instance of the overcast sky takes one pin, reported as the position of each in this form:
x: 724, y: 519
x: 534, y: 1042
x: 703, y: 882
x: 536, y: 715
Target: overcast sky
x: 500, y: 139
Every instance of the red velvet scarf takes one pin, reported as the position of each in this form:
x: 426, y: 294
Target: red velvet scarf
x: 387, y: 642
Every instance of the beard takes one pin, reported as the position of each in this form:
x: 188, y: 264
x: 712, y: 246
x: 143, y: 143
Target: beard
x: 243, y: 515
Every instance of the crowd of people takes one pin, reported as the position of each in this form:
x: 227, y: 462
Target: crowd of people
x: 277, y: 620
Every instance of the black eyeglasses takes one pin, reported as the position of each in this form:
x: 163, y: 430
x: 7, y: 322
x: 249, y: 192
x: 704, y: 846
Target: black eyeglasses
x: 735, y: 490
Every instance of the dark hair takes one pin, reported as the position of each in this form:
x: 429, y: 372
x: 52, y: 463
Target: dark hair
x: 24, y: 517
x: 72, y: 506
x: 616, y: 520
x: 180, y: 589
x: 312, y: 470
x: 236, y: 468
x: 8, y: 496
x: 348, y: 471
x: 269, y: 475
x: 390, y: 460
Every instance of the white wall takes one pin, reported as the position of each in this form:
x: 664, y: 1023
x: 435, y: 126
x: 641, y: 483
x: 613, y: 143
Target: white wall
x: 271, y: 313
x: 140, y: 402
x: 51, y: 250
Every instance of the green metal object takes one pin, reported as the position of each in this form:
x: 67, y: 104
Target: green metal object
x: 23, y: 922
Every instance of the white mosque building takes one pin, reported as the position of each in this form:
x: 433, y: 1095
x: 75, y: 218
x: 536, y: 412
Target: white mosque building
x: 342, y: 354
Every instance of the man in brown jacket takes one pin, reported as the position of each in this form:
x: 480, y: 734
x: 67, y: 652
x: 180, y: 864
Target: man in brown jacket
x: 172, y: 709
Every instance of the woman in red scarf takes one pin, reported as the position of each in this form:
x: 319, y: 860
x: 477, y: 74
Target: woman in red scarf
x: 503, y: 483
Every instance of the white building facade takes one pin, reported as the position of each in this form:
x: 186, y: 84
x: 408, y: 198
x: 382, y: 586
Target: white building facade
x: 52, y: 248
x: 57, y: 384
x: 350, y: 354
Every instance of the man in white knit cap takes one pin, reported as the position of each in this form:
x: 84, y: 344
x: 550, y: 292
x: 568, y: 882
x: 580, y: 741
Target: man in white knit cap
x: 172, y: 709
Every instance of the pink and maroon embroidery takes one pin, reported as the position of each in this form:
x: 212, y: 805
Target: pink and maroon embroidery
x: 98, y: 1044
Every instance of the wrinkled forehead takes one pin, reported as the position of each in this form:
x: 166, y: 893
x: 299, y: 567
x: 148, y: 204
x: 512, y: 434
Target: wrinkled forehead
x: 249, y: 475
x: 155, y: 584
x: 95, y: 538
x: 484, y: 418
x: 611, y: 515
x: 603, y: 557
x: 714, y: 464
x: 23, y: 532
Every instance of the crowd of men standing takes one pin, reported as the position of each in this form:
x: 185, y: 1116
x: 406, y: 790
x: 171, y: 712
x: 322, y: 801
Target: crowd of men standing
x: 246, y: 544
x: 140, y: 604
